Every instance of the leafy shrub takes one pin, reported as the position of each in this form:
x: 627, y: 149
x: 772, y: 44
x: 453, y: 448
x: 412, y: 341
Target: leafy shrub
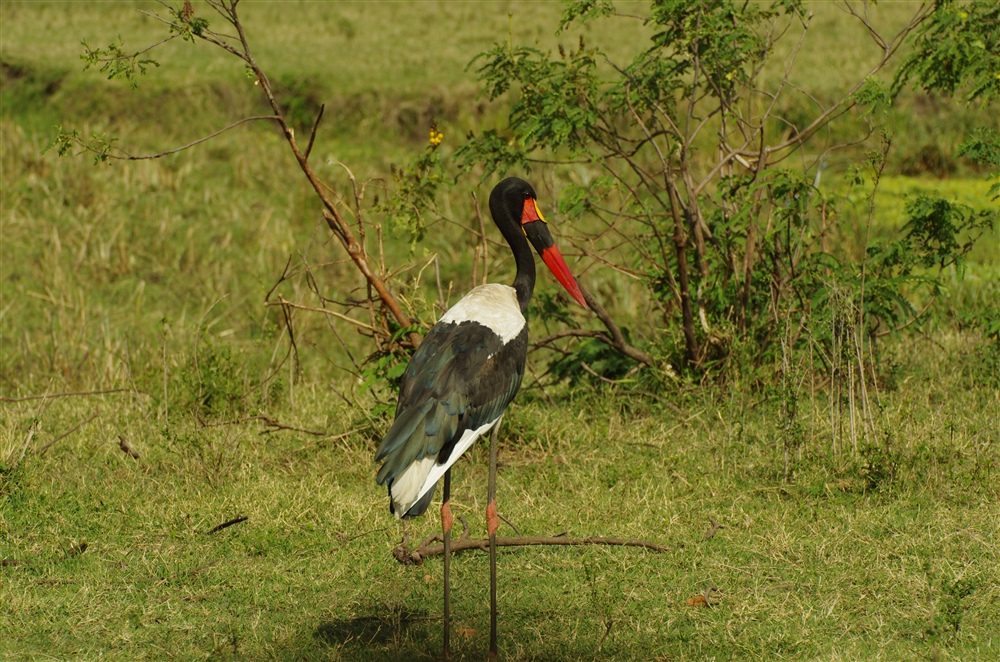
x: 691, y: 171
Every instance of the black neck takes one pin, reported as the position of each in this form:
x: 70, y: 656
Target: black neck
x: 507, y: 199
x: 524, y: 280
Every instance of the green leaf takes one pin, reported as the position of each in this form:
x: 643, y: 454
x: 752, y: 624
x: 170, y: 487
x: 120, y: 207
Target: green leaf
x: 116, y: 63
x: 957, y: 49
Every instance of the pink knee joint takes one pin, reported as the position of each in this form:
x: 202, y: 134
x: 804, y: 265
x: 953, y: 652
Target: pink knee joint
x: 492, y: 519
x: 446, y: 519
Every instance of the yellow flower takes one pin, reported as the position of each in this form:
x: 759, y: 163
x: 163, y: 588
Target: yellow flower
x: 436, y: 137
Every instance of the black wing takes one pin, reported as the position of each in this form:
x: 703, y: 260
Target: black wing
x: 460, y: 378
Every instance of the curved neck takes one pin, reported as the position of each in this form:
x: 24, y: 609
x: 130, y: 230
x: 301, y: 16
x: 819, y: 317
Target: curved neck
x: 524, y: 280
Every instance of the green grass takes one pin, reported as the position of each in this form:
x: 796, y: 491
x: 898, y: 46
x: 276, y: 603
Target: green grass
x: 852, y: 558
x: 150, y: 277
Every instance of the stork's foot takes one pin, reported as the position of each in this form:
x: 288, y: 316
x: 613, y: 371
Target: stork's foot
x: 402, y: 550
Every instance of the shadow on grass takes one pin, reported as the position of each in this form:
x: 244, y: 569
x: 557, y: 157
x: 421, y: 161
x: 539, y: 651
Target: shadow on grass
x: 391, y: 633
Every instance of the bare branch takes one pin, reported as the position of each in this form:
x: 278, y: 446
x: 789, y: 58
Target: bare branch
x: 573, y: 333
x: 66, y: 394
x: 430, y: 548
x: 125, y: 156
x: 617, y: 338
x: 332, y: 313
x: 312, y: 135
x: 41, y: 451
x: 227, y: 524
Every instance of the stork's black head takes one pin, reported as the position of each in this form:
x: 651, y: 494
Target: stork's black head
x: 514, y: 206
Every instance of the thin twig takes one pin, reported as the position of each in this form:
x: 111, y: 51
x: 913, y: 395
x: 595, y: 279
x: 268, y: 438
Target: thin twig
x: 312, y: 136
x: 147, y: 157
x: 41, y: 451
x: 273, y: 426
x: 569, y: 333
x: 332, y: 313
x: 27, y: 439
x: 226, y: 525
x: 334, y: 437
x: 713, y: 530
x: 618, y: 337
x: 594, y: 373
x: 509, y: 523
x: 136, y: 54
x: 607, y: 630
x: 466, y: 530
x: 347, y: 539
x: 541, y: 387
x: 67, y: 394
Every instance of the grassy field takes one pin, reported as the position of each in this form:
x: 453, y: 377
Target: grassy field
x: 889, y: 556
x: 845, y: 536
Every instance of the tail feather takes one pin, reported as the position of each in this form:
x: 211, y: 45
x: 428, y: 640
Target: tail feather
x: 400, y: 432
x: 419, y: 432
x: 403, y: 455
x: 417, y: 509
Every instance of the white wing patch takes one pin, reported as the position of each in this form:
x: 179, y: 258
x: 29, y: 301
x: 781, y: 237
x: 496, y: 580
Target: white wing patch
x: 494, y: 306
x: 421, y: 476
x: 406, y: 487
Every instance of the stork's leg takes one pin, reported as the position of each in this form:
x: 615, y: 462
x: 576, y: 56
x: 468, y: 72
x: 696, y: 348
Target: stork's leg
x: 492, y: 524
x: 446, y: 522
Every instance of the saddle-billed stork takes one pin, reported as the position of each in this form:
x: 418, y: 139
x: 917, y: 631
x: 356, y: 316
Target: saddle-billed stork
x: 462, y: 377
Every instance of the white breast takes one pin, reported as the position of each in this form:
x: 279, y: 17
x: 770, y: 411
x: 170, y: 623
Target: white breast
x: 494, y: 306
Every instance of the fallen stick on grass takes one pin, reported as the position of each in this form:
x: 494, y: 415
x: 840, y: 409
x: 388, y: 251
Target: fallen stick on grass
x: 68, y: 394
x: 126, y: 448
x: 432, y: 546
x: 227, y: 524
x: 41, y: 451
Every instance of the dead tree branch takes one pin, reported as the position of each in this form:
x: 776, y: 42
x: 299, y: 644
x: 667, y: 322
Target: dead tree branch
x: 237, y: 44
x: 66, y: 394
x: 431, y: 548
x: 617, y: 339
